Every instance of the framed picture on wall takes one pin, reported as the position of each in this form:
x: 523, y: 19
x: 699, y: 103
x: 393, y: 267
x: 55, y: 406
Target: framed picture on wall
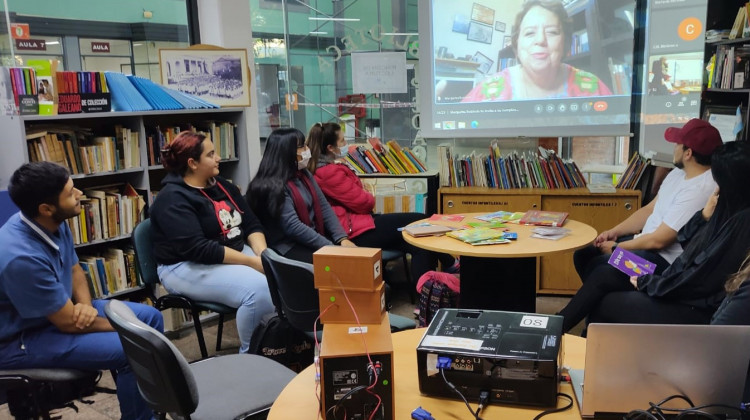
x: 485, y: 63
x: 479, y: 33
x: 461, y: 24
x: 217, y: 75
x: 499, y: 26
x: 483, y: 14
x: 506, y: 41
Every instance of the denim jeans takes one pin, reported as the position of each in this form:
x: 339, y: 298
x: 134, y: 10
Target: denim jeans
x: 238, y: 286
x: 49, y: 347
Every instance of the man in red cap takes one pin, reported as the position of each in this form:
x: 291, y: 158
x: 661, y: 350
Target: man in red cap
x: 651, y: 232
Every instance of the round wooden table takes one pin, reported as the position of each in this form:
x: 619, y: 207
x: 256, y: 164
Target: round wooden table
x: 502, y: 276
x: 298, y: 400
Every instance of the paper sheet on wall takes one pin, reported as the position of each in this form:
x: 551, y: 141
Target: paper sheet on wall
x: 383, y: 72
x: 725, y: 125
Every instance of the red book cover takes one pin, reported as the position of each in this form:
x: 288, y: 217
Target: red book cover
x: 547, y: 175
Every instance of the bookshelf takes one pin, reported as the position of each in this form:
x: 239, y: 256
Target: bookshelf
x: 119, y: 193
x: 722, y: 92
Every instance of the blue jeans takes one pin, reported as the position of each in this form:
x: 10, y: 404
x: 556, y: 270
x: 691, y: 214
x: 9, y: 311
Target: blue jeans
x: 238, y: 286
x: 49, y: 347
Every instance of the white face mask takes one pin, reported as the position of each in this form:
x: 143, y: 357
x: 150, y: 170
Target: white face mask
x: 342, y: 152
x: 306, y: 155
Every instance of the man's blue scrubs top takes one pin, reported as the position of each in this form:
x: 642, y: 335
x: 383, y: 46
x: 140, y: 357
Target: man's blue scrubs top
x: 36, y: 274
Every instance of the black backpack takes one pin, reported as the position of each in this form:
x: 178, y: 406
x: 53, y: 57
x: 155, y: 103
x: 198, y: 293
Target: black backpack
x: 278, y: 340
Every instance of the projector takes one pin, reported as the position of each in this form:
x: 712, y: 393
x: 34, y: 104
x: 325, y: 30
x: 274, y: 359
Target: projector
x: 514, y: 356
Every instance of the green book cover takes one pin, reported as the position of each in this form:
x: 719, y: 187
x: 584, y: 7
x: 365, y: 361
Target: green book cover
x: 473, y: 235
x: 45, y: 81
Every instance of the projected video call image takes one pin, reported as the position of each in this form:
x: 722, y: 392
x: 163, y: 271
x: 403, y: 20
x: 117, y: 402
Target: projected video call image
x: 561, y: 62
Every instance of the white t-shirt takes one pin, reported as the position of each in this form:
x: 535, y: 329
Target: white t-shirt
x: 677, y: 202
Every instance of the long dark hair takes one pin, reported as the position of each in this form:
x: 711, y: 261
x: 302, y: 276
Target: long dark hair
x: 320, y: 137
x: 730, y: 167
x: 265, y: 194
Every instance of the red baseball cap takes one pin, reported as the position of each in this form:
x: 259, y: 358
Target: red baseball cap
x: 696, y: 134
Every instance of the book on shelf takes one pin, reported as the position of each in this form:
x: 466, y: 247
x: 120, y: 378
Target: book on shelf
x: 633, y: 172
x: 110, y: 271
x: 222, y: 134
x: 543, y: 218
x: 388, y: 158
x: 107, y: 212
x: 82, y: 153
x: 46, y: 84
x: 542, y: 169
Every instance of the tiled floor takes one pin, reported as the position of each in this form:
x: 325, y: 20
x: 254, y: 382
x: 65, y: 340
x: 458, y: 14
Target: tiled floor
x: 106, y: 406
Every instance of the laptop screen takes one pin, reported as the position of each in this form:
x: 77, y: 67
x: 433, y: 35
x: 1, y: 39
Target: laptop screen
x: 630, y: 365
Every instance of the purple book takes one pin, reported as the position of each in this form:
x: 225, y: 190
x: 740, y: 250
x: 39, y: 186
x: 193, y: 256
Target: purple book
x: 630, y: 263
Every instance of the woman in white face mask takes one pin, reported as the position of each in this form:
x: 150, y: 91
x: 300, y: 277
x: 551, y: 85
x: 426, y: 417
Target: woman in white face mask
x: 353, y: 204
x: 289, y: 203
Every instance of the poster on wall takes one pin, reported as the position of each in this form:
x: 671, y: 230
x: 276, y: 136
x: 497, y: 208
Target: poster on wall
x: 217, y: 75
x: 381, y: 72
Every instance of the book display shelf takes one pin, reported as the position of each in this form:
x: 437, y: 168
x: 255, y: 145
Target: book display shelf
x: 113, y: 159
x: 727, y: 83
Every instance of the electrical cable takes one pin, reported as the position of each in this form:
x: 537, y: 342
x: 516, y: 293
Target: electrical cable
x: 657, y: 411
x: 316, y: 359
x: 556, y: 410
x: 453, y: 387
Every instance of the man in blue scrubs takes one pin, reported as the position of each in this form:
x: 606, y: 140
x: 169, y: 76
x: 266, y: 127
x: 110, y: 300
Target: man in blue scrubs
x: 47, y: 316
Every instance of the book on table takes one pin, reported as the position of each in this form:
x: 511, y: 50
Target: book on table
x: 504, y: 216
x: 475, y: 235
x: 426, y: 230
x: 543, y: 218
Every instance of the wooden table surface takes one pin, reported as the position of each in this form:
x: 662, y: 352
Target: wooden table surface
x: 298, y: 400
x: 525, y: 246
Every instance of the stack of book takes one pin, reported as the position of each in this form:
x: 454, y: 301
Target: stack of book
x: 23, y: 81
x: 82, y: 153
x: 388, y: 158
x: 535, y: 170
x: 479, y: 236
x: 107, y: 212
x: 222, y: 134
x: 81, y: 82
x: 636, y: 167
x: 110, y: 271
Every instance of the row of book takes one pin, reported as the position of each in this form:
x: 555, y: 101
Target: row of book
x: 107, y: 212
x: 621, y: 77
x: 111, y: 271
x: 380, y: 158
x: 81, y: 82
x: 729, y: 67
x: 534, y: 170
x: 741, y: 26
x: 579, y: 42
x: 633, y: 173
x: 23, y: 81
x: 82, y: 153
x: 222, y: 134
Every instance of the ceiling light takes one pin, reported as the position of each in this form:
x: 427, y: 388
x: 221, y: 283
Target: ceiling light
x: 318, y: 33
x: 53, y: 43
x: 399, y: 33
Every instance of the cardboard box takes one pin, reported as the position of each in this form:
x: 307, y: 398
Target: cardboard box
x: 369, y: 304
x: 351, y: 268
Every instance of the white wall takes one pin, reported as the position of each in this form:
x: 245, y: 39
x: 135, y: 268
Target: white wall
x: 226, y: 23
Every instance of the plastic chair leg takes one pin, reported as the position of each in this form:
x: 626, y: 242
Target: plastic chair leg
x: 412, y: 286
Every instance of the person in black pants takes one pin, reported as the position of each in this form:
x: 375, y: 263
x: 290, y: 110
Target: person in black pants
x: 690, y: 289
x: 683, y: 192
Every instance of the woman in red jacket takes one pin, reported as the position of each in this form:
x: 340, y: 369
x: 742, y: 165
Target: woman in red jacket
x: 353, y: 205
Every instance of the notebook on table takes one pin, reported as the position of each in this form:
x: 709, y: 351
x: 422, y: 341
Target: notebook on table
x: 630, y: 365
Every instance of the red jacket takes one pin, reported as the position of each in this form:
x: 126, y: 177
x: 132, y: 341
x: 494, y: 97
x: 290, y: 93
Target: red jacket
x: 350, y: 201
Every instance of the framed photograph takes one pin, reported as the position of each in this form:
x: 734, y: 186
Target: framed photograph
x: 461, y: 24
x: 483, y: 14
x: 485, y: 63
x: 506, y: 41
x: 479, y: 33
x: 499, y: 26
x: 217, y: 75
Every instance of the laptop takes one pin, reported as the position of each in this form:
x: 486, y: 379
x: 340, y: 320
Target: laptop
x: 630, y: 365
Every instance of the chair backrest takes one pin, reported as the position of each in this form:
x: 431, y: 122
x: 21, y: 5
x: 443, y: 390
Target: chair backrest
x: 144, y: 253
x: 164, y: 377
x: 292, y: 288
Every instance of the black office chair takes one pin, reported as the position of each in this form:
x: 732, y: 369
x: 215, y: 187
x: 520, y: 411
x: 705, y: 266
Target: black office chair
x: 31, y: 391
x: 392, y: 255
x: 225, y: 387
x: 144, y: 256
x: 292, y: 288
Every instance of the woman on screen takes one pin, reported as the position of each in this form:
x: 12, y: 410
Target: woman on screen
x: 541, y: 38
